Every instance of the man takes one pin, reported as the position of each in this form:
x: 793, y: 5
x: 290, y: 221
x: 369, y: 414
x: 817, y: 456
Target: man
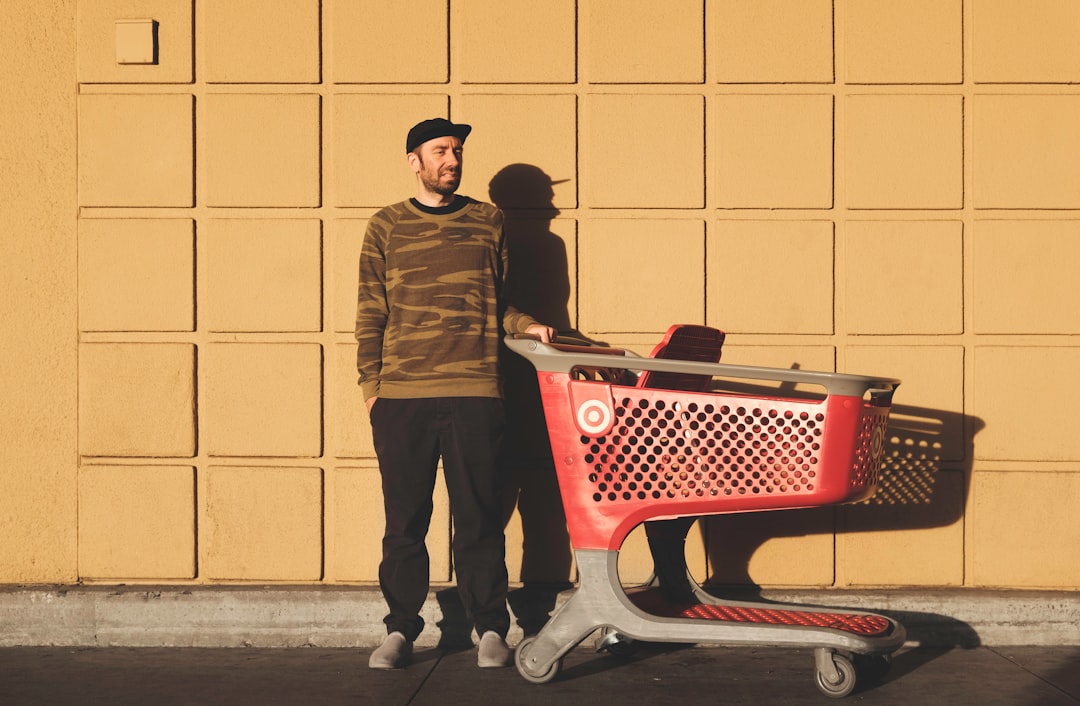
x: 430, y: 319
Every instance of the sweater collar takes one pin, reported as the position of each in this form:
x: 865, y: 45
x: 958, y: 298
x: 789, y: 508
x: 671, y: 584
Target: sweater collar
x: 459, y: 203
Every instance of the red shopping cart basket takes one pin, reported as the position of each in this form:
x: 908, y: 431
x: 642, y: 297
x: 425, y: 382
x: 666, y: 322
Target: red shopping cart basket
x: 639, y: 439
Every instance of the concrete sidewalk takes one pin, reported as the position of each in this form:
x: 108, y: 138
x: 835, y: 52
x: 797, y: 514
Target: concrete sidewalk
x: 283, y: 645
x: 655, y: 676
x: 351, y: 616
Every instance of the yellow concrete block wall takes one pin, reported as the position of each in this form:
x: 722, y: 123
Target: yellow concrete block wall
x: 850, y: 185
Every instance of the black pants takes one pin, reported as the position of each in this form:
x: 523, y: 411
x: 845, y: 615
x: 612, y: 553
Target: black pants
x: 410, y: 435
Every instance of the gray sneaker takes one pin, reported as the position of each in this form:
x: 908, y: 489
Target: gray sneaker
x: 394, y: 653
x: 493, y: 651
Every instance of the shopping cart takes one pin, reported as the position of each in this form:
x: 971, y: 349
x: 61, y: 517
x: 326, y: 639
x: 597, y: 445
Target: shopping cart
x: 643, y: 439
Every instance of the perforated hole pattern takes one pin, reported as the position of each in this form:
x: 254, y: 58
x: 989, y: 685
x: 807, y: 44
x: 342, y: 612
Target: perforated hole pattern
x: 689, y: 451
x: 869, y: 450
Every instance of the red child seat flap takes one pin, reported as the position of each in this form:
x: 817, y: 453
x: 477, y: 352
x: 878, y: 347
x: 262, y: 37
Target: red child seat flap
x: 684, y: 342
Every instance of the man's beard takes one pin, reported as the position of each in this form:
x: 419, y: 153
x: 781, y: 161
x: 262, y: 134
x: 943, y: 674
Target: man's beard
x: 436, y: 185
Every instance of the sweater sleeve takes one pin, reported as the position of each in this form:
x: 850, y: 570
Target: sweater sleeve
x: 515, y: 321
x: 372, y: 310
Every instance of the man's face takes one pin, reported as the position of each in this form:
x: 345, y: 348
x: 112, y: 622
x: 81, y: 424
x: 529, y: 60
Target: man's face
x: 438, y: 164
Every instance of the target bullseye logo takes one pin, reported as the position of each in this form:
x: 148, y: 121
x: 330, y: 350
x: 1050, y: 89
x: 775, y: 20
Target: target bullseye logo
x: 593, y: 417
x: 877, y: 442
x: 591, y: 407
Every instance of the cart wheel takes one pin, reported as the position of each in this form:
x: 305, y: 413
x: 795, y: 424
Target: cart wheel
x: 616, y: 644
x: 844, y: 685
x: 521, y: 655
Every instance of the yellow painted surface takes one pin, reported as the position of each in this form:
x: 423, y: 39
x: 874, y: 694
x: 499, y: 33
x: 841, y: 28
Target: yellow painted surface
x: 262, y: 275
x: 97, y: 41
x: 904, y: 151
x: 263, y: 399
x: 1038, y: 258
x: 262, y: 524
x: 776, y: 151
x: 261, y: 41
x: 918, y: 41
x: 912, y: 531
x: 380, y: 42
x: 626, y: 139
x: 137, y: 399
x: 549, y: 120
x: 137, y: 521
x: 905, y: 277
x: 859, y: 185
x: 496, y: 35
x: 344, y: 237
x: 638, y: 41
x: 787, y: 263
x: 1004, y: 539
x: 135, y: 150
x: 352, y: 431
x: 910, y: 534
x: 137, y: 274
x: 1022, y: 395
x: 262, y: 150
x: 668, y: 291
x: 367, y: 132
x: 1026, y: 151
x: 793, y: 548
x: 38, y: 300
x: 928, y: 423
x: 1016, y: 43
x: 772, y: 41
x: 780, y: 356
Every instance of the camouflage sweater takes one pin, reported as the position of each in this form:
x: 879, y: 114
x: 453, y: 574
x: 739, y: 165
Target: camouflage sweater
x: 430, y: 312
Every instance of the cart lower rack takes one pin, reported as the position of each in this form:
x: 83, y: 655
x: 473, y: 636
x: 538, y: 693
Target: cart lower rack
x: 675, y: 436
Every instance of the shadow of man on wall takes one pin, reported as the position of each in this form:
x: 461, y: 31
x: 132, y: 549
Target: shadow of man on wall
x: 539, y: 281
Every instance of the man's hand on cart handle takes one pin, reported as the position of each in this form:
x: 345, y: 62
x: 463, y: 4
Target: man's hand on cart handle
x: 546, y: 334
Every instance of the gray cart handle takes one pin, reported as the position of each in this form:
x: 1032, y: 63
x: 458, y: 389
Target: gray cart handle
x: 562, y: 358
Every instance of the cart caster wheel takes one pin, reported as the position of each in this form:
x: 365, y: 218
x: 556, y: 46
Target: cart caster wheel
x: 521, y: 656
x: 616, y: 644
x: 844, y: 684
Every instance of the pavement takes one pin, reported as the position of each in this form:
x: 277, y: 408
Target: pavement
x: 655, y: 675
x: 177, y: 645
